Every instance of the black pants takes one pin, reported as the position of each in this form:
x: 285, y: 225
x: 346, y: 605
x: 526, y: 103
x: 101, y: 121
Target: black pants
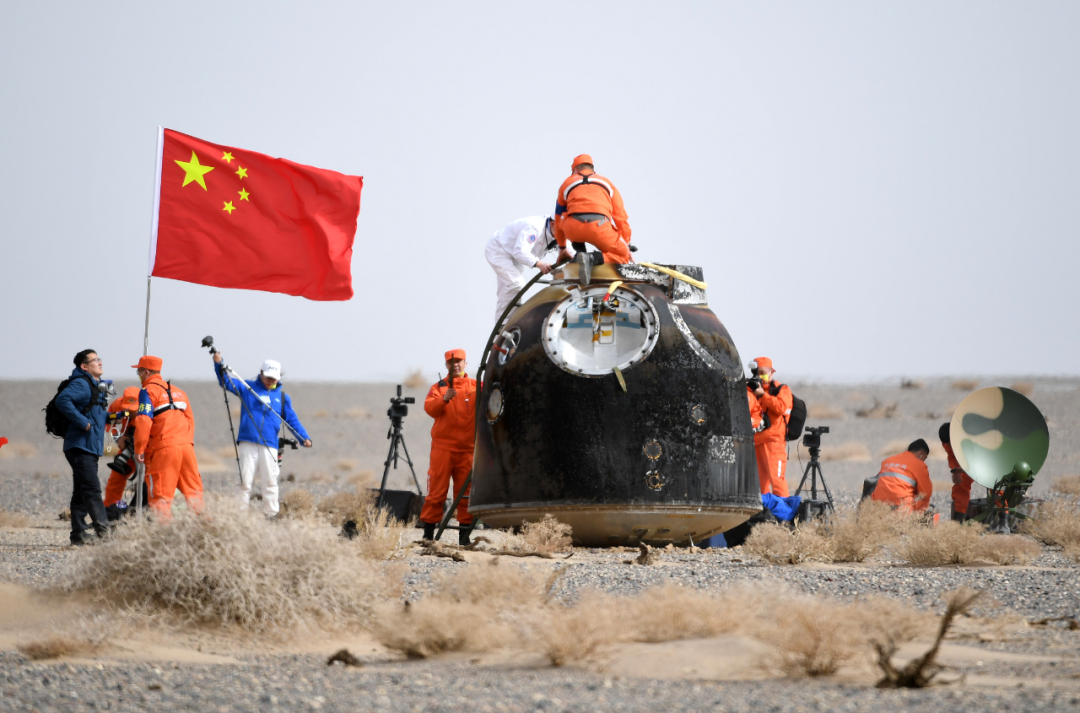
x: 85, y: 494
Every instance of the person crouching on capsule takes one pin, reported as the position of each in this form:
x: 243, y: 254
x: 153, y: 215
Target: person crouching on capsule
x: 257, y: 443
x: 452, y: 403
x: 589, y: 209
x: 165, y: 440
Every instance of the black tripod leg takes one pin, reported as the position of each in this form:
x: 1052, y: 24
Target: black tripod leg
x: 391, y: 455
x: 411, y: 468
x: 232, y: 430
x: 802, y: 482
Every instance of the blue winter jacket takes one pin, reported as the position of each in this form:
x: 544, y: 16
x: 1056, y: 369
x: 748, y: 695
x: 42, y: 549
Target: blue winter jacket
x: 72, y: 402
x: 257, y: 424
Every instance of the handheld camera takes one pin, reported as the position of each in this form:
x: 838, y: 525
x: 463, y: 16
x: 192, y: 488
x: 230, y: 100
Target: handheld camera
x: 208, y: 342
x: 754, y: 382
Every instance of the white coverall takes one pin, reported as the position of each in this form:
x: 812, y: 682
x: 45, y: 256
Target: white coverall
x: 511, y: 251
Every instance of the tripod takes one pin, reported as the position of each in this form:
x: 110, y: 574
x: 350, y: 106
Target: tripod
x: 813, y: 469
x: 396, y: 438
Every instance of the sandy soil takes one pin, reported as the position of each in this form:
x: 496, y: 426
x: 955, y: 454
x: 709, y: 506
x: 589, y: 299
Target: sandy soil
x: 1013, y: 667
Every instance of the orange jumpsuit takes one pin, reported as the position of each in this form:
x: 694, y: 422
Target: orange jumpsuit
x: 770, y: 444
x: 586, y: 192
x: 904, y: 482
x: 755, y: 410
x: 122, y: 408
x: 167, y: 436
x: 961, y: 489
x: 453, y: 438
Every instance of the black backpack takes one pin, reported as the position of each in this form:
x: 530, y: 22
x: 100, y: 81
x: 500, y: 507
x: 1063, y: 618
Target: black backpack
x: 797, y: 418
x: 56, y: 423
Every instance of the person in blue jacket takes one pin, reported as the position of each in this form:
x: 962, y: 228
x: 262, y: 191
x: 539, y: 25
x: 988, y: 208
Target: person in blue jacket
x: 257, y: 443
x: 85, y: 406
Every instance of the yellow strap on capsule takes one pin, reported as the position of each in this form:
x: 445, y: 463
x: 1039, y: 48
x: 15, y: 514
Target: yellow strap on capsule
x: 677, y: 275
x: 614, y: 286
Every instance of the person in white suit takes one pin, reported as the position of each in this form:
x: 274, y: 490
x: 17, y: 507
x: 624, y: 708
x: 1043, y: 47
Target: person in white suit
x: 513, y: 250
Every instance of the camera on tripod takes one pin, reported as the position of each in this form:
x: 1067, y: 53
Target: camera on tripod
x: 398, y: 410
x: 812, y: 438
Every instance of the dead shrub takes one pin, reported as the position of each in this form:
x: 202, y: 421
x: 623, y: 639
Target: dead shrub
x: 892, y: 448
x: 209, y: 462
x: 948, y: 543
x: 1056, y: 522
x: 814, y: 636
x: 1023, y: 387
x: 858, y: 533
x: 380, y: 536
x: 54, y: 647
x: 1067, y: 485
x: 824, y: 412
x: 18, y: 449
x: 850, y: 451
x: 358, y: 413
x: 544, y: 537
x: 299, y: 503
x: 920, y: 671
x: 965, y: 384
x: 415, y: 380
x: 342, y: 507
x: 671, y: 613
x: 227, y: 452
x: 475, y: 609
x: 1007, y: 549
x: 238, y: 569
x: 14, y: 519
x: 362, y: 480
x: 780, y: 544
x: 878, y: 410
x: 578, y: 633
x: 320, y: 414
x: 912, y: 384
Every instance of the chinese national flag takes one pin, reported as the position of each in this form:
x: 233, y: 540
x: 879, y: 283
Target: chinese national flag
x: 232, y: 218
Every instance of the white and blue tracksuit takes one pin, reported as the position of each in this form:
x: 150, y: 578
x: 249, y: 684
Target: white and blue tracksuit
x: 258, y: 439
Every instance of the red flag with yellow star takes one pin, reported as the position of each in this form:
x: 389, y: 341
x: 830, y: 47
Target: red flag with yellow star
x: 227, y: 217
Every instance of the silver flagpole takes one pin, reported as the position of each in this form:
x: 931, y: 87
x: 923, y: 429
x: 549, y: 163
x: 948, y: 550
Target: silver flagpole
x: 153, y: 235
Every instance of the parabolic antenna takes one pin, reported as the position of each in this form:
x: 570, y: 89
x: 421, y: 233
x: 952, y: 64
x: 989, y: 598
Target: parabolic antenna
x: 995, y: 429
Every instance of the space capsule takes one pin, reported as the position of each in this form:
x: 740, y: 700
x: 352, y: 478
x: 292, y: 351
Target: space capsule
x: 617, y: 404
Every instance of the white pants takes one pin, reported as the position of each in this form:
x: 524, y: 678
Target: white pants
x: 510, y: 273
x: 257, y: 457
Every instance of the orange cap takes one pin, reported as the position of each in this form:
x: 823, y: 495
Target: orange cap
x: 764, y: 363
x: 130, y: 400
x: 455, y: 354
x: 152, y: 363
x: 580, y: 159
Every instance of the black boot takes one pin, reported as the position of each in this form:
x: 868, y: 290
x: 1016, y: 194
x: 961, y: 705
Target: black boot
x: 463, y: 535
x: 429, y: 531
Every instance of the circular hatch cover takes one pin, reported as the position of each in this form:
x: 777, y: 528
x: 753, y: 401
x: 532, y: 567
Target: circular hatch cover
x: 591, y: 332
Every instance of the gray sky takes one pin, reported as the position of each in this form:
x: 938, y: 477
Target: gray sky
x: 873, y: 189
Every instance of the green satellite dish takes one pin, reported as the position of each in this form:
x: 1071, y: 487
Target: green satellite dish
x: 994, y: 430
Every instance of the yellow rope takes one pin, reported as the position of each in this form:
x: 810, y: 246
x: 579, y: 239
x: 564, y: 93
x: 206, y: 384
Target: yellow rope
x: 676, y: 274
x: 614, y: 285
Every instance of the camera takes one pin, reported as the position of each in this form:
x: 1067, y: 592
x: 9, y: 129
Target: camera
x: 754, y: 382
x: 812, y: 438
x: 122, y: 462
x: 398, y: 410
x: 281, y: 443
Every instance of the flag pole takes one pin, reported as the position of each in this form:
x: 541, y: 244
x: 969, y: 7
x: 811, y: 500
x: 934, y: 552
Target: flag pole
x: 153, y: 235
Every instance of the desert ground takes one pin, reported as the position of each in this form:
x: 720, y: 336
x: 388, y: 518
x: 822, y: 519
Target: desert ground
x: 633, y: 636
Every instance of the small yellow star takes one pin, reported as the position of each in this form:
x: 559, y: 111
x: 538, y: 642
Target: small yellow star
x: 243, y: 194
x: 242, y: 173
x: 229, y: 207
x: 227, y: 157
x: 194, y: 171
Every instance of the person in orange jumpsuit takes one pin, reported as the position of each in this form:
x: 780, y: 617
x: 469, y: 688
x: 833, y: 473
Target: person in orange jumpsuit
x: 165, y: 439
x: 961, y: 489
x: 590, y: 209
x: 904, y: 480
x: 452, y: 403
x: 770, y: 443
x: 121, y: 416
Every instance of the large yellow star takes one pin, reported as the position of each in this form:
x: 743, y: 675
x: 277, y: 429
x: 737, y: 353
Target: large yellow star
x: 229, y: 207
x: 194, y: 171
x: 227, y: 157
x: 242, y: 173
x: 243, y: 195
